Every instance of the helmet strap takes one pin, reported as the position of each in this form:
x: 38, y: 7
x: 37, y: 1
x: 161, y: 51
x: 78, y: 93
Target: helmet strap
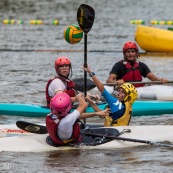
x: 71, y: 73
x: 127, y: 99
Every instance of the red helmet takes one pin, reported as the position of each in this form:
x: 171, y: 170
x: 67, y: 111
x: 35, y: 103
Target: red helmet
x: 130, y: 45
x: 62, y: 61
x: 60, y: 104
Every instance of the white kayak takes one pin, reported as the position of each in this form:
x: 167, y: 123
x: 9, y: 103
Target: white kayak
x: 156, y: 92
x: 153, y: 92
x: 29, y: 142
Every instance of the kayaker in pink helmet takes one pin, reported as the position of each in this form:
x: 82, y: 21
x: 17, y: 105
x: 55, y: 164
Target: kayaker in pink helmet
x: 62, y: 126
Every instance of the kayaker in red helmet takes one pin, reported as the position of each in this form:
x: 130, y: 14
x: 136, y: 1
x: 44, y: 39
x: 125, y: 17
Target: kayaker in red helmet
x: 130, y: 69
x: 61, y: 82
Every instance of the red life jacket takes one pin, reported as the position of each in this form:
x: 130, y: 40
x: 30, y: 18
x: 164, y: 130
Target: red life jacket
x: 52, y: 126
x: 133, y: 73
x: 69, y: 90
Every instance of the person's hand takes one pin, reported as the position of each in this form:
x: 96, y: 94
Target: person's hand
x: 78, y: 96
x: 88, y: 97
x: 163, y: 80
x: 120, y: 81
x: 96, y: 97
x: 104, y: 113
x: 87, y: 69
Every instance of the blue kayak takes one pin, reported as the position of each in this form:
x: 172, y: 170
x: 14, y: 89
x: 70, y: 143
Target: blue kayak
x: 30, y: 110
x: 140, y: 108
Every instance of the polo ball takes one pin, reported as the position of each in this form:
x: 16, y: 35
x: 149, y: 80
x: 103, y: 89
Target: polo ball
x: 73, y: 34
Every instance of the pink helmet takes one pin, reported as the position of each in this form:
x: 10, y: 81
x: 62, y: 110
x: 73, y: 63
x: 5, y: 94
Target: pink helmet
x: 60, y: 104
x: 62, y: 61
x: 130, y: 45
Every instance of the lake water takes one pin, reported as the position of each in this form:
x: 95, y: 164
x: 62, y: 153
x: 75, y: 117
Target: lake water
x: 25, y: 71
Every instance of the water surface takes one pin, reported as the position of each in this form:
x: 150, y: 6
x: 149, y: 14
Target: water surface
x: 24, y: 73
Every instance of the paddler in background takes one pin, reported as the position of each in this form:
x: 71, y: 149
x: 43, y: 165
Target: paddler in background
x: 130, y: 69
x: 120, y: 104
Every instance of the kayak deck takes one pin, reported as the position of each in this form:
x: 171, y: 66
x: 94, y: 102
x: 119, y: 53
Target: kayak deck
x: 37, y: 142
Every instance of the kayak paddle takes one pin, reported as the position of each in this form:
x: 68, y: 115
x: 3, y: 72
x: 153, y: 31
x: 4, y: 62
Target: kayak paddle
x: 85, y: 18
x: 90, y: 84
x: 40, y: 129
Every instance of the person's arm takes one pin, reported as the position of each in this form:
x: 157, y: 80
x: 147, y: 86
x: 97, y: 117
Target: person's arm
x: 57, y: 86
x: 111, y: 78
x: 112, y: 75
x: 101, y: 114
x: 98, y: 111
x: 82, y: 105
x: 147, y: 73
x: 73, y: 99
x: 153, y: 77
x: 97, y: 82
x: 94, y: 106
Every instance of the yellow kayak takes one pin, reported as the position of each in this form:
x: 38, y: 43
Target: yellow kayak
x: 153, y: 39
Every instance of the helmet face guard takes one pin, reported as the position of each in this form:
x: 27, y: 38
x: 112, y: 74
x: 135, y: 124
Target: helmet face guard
x: 61, y: 104
x: 131, y: 92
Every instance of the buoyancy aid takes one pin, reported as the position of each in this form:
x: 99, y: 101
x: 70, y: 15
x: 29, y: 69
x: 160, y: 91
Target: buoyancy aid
x: 52, y: 126
x: 133, y: 73
x: 123, y: 120
x: 69, y: 90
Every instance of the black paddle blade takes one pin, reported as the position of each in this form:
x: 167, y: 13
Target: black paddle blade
x: 85, y: 17
x: 79, y: 83
x: 92, y: 140
x: 32, y: 128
